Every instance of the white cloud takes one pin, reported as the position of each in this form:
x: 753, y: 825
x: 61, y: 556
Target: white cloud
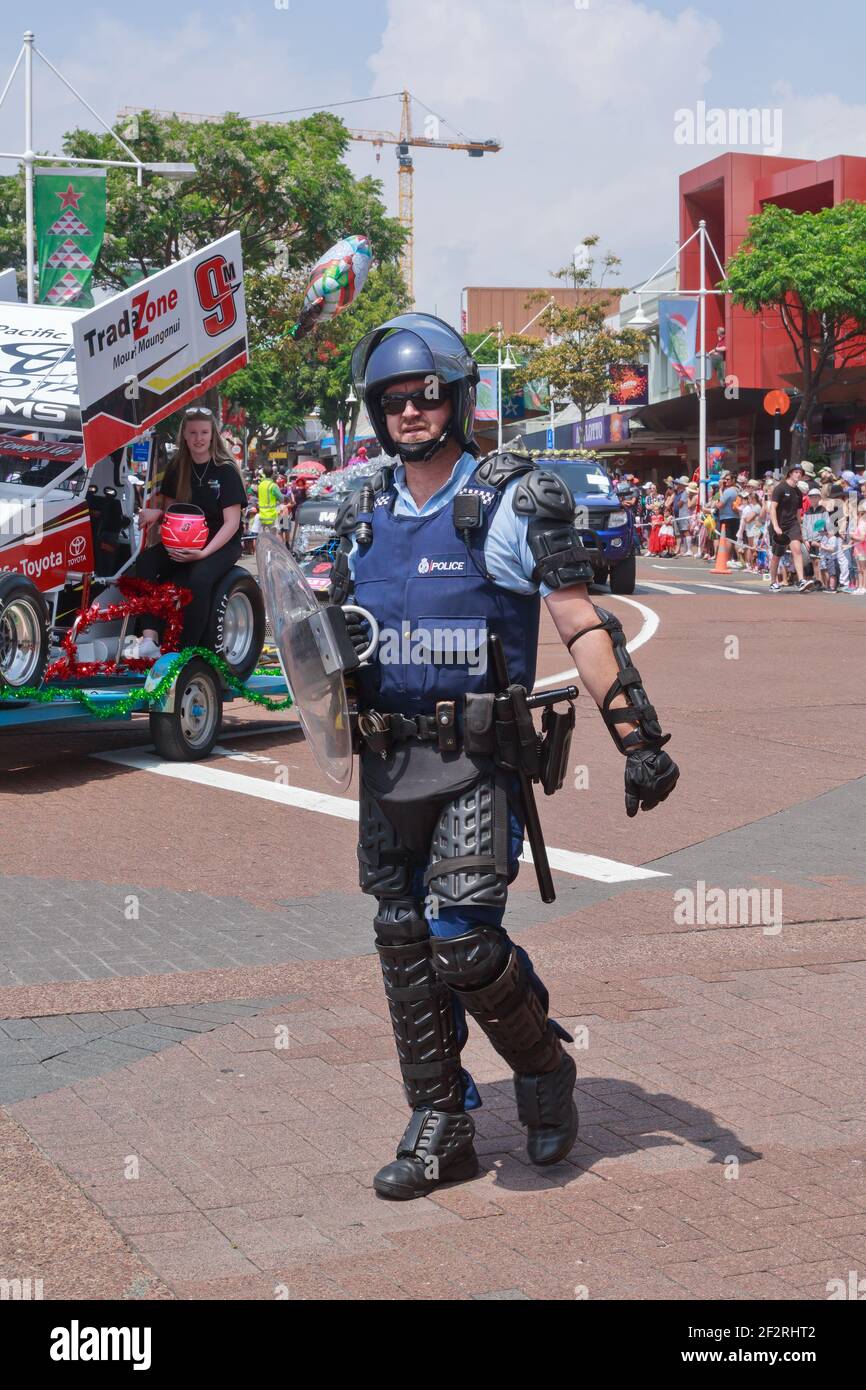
x: 583, y: 101
x: 818, y: 126
x: 246, y: 62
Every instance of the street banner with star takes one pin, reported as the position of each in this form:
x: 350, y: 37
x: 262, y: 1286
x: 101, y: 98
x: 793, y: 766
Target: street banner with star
x: 70, y: 225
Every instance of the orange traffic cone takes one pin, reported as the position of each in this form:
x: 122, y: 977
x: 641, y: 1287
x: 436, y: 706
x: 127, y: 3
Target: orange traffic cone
x: 721, y: 565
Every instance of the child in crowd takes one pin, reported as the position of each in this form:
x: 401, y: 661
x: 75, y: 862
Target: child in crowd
x: 655, y: 545
x: 829, y: 547
x: 858, y: 537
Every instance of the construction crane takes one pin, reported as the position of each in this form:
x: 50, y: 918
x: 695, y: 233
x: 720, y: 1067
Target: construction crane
x: 405, y: 141
x: 406, y: 170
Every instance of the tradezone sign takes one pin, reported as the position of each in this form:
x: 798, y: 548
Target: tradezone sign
x: 160, y: 344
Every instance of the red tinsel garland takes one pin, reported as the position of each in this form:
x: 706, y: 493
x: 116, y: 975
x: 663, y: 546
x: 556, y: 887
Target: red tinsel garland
x: 162, y: 600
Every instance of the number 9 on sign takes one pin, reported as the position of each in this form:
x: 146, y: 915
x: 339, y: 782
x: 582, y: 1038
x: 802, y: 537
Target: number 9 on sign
x: 215, y: 294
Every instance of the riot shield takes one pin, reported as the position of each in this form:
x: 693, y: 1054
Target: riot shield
x: 310, y: 664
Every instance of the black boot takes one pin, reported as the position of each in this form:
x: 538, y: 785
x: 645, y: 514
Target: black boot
x: 437, y: 1145
x: 486, y: 974
x: 436, y: 1148
x: 545, y: 1104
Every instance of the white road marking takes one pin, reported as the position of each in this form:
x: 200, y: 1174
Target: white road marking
x: 593, y: 866
x: 219, y: 779
x: 567, y: 861
x: 219, y: 752
x: 663, y: 588
x: 725, y: 588
x: 651, y: 621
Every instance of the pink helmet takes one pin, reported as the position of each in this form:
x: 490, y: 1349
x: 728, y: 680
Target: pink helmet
x: 184, y: 527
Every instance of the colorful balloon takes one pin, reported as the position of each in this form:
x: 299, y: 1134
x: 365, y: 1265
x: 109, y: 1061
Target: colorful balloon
x: 335, y: 281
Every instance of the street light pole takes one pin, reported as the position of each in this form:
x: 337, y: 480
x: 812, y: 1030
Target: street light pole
x: 28, y: 161
x: 702, y: 291
x: 499, y: 388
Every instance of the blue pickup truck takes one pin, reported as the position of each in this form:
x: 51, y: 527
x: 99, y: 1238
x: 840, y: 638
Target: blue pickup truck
x: 606, y: 526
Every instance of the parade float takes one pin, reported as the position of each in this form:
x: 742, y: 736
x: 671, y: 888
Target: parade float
x: 80, y: 394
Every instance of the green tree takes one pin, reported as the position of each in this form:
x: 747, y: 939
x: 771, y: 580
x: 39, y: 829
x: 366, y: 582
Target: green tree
x: 581, y: 349
x: 319, y: 366
x: 284, y: 187
x: 288, y: 191
x: 810, y: 267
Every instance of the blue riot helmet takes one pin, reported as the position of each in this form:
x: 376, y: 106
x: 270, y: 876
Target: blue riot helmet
x: 417, y: 345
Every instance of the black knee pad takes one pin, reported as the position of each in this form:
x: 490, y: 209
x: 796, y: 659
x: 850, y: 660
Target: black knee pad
x: 473, y: 961
x: 485, y: 972
x: 400, y: 922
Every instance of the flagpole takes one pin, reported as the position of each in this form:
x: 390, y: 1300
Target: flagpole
x: 28, y: 161
x: 702, y: 404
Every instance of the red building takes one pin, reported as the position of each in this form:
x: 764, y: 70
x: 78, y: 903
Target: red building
x: 726, y: 192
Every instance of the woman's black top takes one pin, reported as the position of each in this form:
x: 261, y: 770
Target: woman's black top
x: 214, y: 486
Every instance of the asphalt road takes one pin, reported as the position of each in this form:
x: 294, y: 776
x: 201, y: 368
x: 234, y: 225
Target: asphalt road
x: 763, y: 693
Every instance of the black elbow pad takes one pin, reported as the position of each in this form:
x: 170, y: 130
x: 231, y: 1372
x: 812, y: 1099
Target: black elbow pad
x: 560, y: 558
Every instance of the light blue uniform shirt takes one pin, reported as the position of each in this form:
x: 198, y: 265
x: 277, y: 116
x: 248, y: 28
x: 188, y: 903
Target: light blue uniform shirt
x: 507, y: 555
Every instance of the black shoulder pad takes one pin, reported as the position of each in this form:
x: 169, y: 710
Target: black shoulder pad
x: 384, y: 478
x: 347, y: 513
x: 498, y: 469
x: 555, y: 545
x: 543, y: 495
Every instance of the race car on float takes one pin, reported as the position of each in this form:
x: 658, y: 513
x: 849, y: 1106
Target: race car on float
x: 68, y: 504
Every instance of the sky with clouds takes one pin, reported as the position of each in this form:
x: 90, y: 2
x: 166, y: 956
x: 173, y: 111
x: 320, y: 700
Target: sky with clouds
x: 583, y: 94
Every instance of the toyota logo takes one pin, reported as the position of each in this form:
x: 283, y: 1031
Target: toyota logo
x: 77, y: 546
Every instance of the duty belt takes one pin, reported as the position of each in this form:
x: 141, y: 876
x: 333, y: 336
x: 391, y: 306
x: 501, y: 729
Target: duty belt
x: 379, y: 731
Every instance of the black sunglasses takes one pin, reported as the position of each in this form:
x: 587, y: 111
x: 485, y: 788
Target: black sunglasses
x: 396, y: 404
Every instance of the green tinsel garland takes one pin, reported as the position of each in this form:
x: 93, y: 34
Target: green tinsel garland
x: 125, y: 705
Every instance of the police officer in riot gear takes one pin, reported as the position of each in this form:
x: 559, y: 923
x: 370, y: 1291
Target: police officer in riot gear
x: 448, y: 554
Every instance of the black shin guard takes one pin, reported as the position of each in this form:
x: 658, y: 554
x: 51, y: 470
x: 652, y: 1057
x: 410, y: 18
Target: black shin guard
x: 421, y: 1007
x: 485, y: 973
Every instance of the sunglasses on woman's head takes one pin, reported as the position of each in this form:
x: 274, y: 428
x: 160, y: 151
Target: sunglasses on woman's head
x: 198, y: 412
x: 395, y: 404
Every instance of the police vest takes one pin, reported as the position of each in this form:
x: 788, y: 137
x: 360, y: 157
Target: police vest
x: 267, y: 504
x: 436, y: 606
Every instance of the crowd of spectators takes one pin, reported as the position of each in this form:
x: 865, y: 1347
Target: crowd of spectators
x: 822, y: 543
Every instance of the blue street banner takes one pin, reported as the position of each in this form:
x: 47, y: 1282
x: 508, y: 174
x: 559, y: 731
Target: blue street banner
x: 516, y: 405
x: 485, y: 394
x: 678, y: 320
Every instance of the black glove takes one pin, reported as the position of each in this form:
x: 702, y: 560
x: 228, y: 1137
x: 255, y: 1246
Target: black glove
x: 650, y: 777
x: 359, y: 631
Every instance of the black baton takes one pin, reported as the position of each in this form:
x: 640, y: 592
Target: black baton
x: 527, y: 796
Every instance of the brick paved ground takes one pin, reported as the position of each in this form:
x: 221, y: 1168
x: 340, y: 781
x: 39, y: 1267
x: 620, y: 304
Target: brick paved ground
x: 722, y: 1153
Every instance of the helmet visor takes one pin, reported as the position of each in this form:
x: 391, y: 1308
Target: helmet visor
x: 451, y: 360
